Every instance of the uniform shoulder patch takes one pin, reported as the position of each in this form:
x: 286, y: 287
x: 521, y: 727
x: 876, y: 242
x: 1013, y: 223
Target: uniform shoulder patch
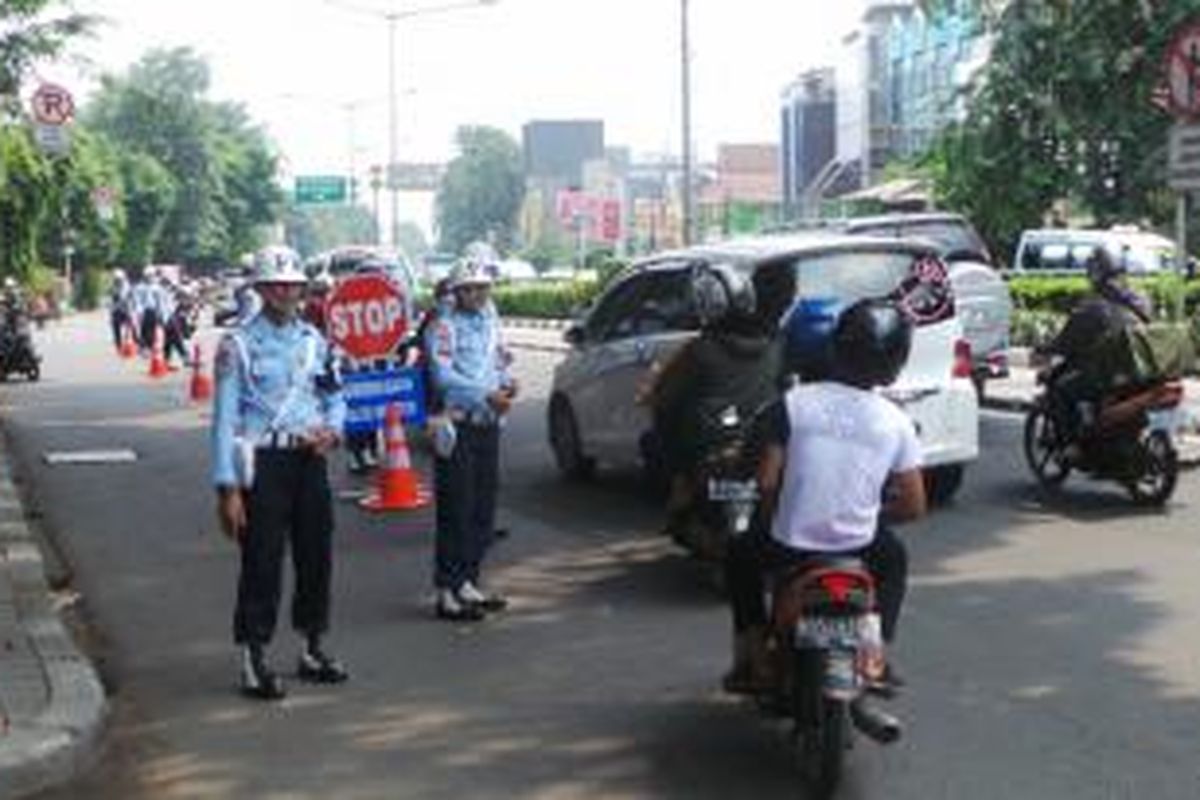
x: 228, y: 354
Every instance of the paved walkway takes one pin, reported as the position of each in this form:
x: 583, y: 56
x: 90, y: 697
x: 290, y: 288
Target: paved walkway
x: 52, y: 705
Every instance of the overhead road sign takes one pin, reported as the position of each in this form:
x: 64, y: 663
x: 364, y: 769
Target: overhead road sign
x: 321, y: 190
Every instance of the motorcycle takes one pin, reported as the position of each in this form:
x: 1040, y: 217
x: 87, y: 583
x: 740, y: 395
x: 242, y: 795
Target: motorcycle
x: 726, y: 489
x: 17, y: 354
x: 1131, y: 440
x: 828, y: 651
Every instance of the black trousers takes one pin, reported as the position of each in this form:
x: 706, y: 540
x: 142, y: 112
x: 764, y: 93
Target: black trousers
x: 289, y: 504
x: 175, y: 343
x: 750, y: 557
x: 118, y: 319
x: 149, y: 324
x: 466, y: 484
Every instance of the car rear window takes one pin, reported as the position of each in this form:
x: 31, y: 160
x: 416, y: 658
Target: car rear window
x: 919, y: 281
x: 950, y: 237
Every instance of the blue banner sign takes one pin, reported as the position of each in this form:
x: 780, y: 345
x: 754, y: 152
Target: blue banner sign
x: 370, y: 392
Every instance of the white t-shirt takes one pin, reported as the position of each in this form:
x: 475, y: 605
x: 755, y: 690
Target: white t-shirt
x: 842, y: 445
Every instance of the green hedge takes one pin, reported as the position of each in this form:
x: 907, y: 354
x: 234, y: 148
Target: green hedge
x: 545, y: 300
x: 1062, y: 294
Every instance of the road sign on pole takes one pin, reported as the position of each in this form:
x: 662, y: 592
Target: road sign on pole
x: 104, y: 198
x: 1183, y: 163
x: 53, y: 105
x: 367, y: 316
x: 321, y: 189
x: 1182, y: 68
x: 54, y: 140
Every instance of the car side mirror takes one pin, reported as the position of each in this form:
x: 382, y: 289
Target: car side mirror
x: 575, y: 335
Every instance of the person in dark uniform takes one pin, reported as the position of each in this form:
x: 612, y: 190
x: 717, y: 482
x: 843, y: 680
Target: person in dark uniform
x: 278, y: 410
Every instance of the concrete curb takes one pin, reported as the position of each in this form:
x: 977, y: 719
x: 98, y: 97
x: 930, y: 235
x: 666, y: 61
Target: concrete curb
x: 52, y: 723
x: 533, y: 322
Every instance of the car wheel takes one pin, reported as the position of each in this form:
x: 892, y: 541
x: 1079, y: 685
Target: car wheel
x: 942, y: 483
x: 566, y: 444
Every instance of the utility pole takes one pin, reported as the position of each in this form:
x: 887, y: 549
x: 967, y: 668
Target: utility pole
x: 393, y: 133
x: 686, y: 55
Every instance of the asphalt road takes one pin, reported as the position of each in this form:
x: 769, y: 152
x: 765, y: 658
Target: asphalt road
x: 1049, y: 643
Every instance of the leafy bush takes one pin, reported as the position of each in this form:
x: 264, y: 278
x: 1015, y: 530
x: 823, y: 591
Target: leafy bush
x: 545, y: 300
x: 1034, y: 328
x: 1061, y: 294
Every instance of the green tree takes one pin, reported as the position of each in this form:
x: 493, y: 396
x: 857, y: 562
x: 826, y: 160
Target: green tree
x: 412, y: 239
x: 222, y: 165
x: 313, y: 229
x: 26, y: 183
x: 31, y: 33
x: 1063, y: 111
x: 73, y: 217
x: 481, y: 195
x: 147, y: 196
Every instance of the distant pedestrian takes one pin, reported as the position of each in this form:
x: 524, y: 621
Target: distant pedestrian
x: 119, y: 307
x: 278, y: 410
x: 474, y: 390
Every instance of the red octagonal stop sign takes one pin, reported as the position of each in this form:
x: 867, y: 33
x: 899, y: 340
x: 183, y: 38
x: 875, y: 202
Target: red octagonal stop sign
x: 367, y: 316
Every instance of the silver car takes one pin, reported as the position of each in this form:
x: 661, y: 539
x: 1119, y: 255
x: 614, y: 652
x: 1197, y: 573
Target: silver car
x: 645, y: 315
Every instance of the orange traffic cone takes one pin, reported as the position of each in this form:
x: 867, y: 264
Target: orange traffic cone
x: 128, y: 348
x: 399, y: 486
x: 202, y: 387
x: 158, y: 364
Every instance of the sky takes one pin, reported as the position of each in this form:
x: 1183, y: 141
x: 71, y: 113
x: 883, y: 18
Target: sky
x: 314, y: 72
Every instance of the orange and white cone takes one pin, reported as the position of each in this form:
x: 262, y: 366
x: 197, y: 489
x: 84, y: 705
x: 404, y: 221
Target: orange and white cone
x: 201, y: 388
x: 128, y: 348
x: 399, y: 487
x: 158, y: 362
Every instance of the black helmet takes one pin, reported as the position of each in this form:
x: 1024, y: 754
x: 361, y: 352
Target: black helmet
x: 1103, y: 268
x: 720, y: 292
x: 871, y: 343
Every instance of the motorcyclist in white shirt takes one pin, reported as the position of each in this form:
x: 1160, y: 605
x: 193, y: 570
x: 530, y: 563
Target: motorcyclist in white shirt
x: 836, y: 457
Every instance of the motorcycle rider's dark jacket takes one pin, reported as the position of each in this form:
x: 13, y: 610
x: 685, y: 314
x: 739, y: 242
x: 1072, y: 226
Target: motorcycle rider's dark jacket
x: 1109, y: 311
x: 733, y: 363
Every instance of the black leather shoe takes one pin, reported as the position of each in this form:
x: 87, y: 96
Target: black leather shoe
x: 258, y: 681
x: 318, y: 667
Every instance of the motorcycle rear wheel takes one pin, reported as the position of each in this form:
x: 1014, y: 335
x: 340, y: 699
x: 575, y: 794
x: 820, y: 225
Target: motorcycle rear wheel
x: 1043, y: 452
x: 822, y: 727
x: 1160, y: 470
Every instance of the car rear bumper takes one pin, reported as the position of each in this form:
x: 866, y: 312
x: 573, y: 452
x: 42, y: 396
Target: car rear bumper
x: 947, y: 421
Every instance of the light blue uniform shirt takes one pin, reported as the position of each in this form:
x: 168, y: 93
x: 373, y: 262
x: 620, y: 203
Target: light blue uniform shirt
x: 467, y: 360
x: 279, y: 379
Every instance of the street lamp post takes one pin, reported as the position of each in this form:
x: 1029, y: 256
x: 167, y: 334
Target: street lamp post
x: 393, y: 19
x: 686, y: 55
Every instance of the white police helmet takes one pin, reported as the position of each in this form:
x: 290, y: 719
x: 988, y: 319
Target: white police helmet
x: 469, y: 273
x: 277, y: 264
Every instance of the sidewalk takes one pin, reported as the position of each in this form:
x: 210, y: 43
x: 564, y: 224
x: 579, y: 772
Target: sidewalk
x: 52, y: 706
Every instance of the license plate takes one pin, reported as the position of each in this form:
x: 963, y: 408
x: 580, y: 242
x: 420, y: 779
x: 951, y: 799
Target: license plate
x: 724, y: 491
x: 823, y: 630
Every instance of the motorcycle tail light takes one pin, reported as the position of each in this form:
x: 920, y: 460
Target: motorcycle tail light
x: 962, y: 359
x: 840, y: 585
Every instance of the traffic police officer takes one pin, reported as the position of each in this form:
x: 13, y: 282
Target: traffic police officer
x: 278, y: 409
x: 468, y: 367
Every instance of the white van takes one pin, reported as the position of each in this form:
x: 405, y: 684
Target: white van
x: 1065, y: 251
